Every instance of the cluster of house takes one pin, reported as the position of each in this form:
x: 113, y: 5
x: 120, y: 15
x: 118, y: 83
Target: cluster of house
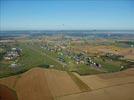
x: 81, y: 58
x: 113, y: 56
x: 13, y: 54
x: 56, y: 49
x: 78, y: 58
x: 51, y: 48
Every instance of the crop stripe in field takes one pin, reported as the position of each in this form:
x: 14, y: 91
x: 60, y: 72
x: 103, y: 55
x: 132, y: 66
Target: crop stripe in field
x: 95, y: 89
x: 17, y: 79
x: 82, y: 86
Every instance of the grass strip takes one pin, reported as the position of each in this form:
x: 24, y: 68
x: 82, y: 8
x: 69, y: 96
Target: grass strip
x: 82, y: 86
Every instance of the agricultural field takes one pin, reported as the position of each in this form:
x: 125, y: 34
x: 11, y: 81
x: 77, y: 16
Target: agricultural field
x: 55, y: 68
x: 7, y: 93
x: 105, y: 86
x: 66, y: 50
x: 111, y: 93
x: 40, y: 83
x: 33, y: 57
x: 30, y: 57
x: 82, y: 56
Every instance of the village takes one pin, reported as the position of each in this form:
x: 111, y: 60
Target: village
x: 11, y: 55
x: 63, y: 52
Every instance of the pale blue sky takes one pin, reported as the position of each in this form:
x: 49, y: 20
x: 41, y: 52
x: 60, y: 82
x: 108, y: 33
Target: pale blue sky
x: 66, y: 14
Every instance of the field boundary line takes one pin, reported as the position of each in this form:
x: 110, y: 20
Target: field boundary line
x: 82, y: 86
x: 96, y: 89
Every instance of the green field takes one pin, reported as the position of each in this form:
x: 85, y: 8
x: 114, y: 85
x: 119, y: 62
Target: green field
x: 35, y: 56
x: 109, y: 65
x: 31, y: 57
x: 83, y: 69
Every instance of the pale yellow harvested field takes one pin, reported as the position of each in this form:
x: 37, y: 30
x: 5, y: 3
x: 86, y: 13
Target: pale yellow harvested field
x: 93, y: 81
x: 60, y: 83
x: 131, y: 57
x: 126, y: 52
x: 121, y: 92
x: 107, y: 80
x: 122, y: 74
x: 100, y: 49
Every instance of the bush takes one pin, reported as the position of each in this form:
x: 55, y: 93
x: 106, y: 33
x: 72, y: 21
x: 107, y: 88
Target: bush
x: 44, y: 65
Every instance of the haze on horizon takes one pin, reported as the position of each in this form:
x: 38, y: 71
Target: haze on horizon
x: 67, y: 14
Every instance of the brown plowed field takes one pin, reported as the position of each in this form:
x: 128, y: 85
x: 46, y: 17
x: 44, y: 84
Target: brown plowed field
x: 60, y: 83
x: 41, y: 84
x: 7, y: 93
x: 9, y: 81
x: 33, y: 86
